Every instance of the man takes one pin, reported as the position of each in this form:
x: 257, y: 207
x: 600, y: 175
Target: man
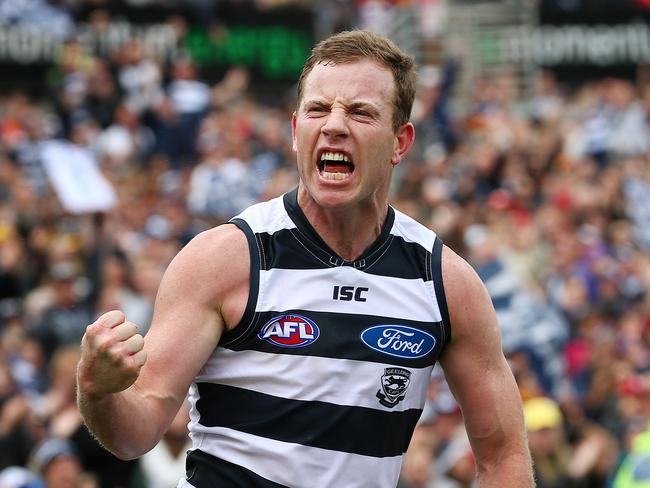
x: 308, y: 364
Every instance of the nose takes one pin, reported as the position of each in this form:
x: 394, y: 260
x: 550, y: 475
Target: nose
x: 336, y: 124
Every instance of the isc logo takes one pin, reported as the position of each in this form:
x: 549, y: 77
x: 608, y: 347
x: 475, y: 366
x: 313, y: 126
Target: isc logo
x: 290, y: 331
x: 349, y: 293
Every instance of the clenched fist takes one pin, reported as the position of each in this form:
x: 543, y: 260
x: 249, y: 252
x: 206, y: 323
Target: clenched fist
x: 111, y: 355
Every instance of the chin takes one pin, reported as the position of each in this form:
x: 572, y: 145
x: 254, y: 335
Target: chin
x: 333, y: 198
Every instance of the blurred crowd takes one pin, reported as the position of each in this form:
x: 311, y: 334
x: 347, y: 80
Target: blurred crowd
x: 548, y: 197
x: 546, y: 194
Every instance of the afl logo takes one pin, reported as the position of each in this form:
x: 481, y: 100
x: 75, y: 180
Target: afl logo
x: 290, y: 331
x: 399, y: 340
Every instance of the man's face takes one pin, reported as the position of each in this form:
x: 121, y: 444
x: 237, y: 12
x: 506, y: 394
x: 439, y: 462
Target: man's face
x: 62, y: 472
x: 343, y: 133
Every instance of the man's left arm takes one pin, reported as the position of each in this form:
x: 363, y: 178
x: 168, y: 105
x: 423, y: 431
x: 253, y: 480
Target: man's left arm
x: 482, y: 382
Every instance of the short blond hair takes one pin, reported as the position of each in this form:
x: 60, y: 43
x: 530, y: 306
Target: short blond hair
x: 350, y: 46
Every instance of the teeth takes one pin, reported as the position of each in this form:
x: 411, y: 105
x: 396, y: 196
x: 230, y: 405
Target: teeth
x: 335, y: 156
x: 334, y: 176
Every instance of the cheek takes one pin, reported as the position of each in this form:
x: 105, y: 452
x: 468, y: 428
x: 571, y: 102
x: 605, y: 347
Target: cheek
x: 304, y: 137
x: 383, y: 150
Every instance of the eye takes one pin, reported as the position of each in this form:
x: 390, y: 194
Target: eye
x: 316, y: 109
x: 362, y: 112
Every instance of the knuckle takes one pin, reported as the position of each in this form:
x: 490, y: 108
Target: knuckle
x: 115, y: 355
x: 132, y: 368
x: 103, y: 344
x: 110, y: 318
x: 140, y: 358
x: 131, y: 326
x: 92, y: 330
x: 126, y: 330
x: 129, y: 369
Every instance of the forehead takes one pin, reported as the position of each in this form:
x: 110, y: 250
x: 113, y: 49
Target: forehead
x: 357, y: 81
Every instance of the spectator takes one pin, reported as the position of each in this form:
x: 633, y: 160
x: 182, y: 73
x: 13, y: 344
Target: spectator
x: 58, y: 464
x: 140, y: 77
x: 634, y: 471
x: 585, y: 460
x: 64, y: 319
x: 18, y: 426
x: 126, y: 140
x: 190, y: 100
x: 19, y: 477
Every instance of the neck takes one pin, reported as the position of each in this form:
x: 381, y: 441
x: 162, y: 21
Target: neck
x: 347, y: 231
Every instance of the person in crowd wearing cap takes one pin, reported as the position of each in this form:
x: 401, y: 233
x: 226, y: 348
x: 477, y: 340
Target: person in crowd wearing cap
x: 306, y: 328
x: 548, y: 446
x: 57, y: 462
x: 584, y: 460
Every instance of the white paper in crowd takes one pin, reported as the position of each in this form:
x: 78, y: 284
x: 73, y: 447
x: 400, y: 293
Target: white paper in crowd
x: 75, y: 176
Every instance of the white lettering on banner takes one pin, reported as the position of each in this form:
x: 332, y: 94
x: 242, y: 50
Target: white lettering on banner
x: 394, y: 340
x: 550, y: 45
x: 25, y: 44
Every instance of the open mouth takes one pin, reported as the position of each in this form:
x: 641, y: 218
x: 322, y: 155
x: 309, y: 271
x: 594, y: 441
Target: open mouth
x: 335, y: 166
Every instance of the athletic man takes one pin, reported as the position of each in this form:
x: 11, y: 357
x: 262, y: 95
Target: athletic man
x: 306, y: 329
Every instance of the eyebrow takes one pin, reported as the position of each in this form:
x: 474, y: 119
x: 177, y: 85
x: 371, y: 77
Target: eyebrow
x: 369, y: 106
x: 316, y: 102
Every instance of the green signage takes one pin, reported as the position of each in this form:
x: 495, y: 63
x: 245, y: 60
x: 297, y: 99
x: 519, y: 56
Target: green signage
x: 277, y: 51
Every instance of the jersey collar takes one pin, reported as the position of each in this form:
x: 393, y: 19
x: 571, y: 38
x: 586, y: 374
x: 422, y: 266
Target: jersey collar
x: 310, y: 238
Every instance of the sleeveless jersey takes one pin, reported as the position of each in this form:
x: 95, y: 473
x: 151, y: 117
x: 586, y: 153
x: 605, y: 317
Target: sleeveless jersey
x: 323, y: 380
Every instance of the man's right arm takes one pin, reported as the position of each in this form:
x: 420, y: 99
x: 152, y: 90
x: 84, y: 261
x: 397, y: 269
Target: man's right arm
x: 130, y: 388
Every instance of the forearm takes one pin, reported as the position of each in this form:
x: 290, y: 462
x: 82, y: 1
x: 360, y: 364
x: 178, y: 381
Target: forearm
x: 127, y: 423
x: 512, y: 471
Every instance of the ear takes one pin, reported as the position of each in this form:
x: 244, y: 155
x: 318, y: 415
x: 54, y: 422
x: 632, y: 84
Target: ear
x: 403, y: 141
x: 294, y: 145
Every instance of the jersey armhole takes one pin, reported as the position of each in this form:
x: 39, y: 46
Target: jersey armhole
x: 239, y: 330
x: 436, y: 267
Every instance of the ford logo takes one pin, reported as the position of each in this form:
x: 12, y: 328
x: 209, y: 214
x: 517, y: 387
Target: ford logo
x: 399, y: 340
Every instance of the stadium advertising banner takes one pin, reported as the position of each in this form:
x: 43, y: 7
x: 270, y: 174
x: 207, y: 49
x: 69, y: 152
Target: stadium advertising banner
x: 272, y: 43
x: 554, y: 45
x: 574, y: 34
x: 28, y: 44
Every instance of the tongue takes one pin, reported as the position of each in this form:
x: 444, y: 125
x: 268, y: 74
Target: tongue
x: 336, y: 167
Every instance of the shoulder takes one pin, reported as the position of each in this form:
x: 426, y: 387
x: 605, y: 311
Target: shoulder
x: 411, y: 230
x: 468, y: 301
x: 457, y: 272
x: 216, y: 242
x: 215, y: 261
x: 212, y: 247
x: 265, y: 217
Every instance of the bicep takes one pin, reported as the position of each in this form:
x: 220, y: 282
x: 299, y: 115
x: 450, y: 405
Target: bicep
x: 187, y: 322
x: 474, y: 364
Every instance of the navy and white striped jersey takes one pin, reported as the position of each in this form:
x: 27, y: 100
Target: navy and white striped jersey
x: 323, y: 380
